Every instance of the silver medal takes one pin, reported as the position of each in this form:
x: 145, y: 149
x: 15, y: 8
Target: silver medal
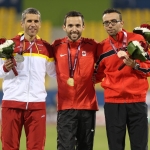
x: 19, y: 58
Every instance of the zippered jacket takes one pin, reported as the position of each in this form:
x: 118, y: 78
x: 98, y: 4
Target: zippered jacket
x: 27, y: 90
x: 82, y: 95
x: 127, y: 85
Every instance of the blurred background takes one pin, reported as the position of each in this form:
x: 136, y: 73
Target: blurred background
x: 134, y: 12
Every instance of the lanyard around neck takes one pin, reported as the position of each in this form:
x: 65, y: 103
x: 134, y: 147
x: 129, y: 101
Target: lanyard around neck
x: 21, y: 45
x: 72, y: 67
x: 124, y: 42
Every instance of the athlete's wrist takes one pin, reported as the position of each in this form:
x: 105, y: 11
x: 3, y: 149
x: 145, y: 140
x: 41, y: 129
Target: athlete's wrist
x: 136, y: 66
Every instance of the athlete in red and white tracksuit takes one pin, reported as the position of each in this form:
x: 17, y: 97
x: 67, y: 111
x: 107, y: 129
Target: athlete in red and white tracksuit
x: 124, y: 94
x: 76, y: 104
x: 23, y: 102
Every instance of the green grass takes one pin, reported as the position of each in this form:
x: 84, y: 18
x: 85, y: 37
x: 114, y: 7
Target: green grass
x: 100, y: 142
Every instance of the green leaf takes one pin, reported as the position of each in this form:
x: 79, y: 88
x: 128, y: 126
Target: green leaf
x: 138, y: 55
x: 147, y: 36
x: 7, y: 52
x: 135, y: 52
x: 131, y: 48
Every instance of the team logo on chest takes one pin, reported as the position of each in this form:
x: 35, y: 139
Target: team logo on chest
x: 83, y: 53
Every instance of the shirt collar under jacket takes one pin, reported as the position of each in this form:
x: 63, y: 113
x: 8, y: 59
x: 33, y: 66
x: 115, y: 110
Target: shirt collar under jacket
x: 120, y: 36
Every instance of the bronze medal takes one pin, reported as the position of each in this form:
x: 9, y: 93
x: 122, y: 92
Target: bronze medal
x: 70, y: 81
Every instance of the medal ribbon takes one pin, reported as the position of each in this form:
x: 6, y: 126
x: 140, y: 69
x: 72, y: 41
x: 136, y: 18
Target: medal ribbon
x: 72, y: 67
x: 124, y: 43
x: 21, y: 45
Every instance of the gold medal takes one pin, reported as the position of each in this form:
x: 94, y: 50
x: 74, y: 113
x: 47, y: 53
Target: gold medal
x: 70, y: 81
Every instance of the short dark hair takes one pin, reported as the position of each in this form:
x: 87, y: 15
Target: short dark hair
x: 112, y: 10
x: 30, y: 11
x: 73, y: 14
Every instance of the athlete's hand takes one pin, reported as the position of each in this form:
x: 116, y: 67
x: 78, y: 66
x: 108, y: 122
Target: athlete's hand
x: 8, y: 64
x: 129, y: 62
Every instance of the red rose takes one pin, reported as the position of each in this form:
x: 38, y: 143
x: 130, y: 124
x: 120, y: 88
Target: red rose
x: 145, y: 26
x: 2, y: 40
x: 144, y: 45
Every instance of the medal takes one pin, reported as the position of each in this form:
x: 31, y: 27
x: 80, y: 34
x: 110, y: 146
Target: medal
x: 19, y: 58
x: 72, y: 67
x: 70, y: 81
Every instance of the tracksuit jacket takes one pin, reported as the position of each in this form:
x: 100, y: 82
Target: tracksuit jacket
x: 27, y: 90
x: 127, y: 85
x: 82, y: 95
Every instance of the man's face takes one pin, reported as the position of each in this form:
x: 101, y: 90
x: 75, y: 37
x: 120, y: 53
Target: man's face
x: 31, y: 24
x: 112, y: 23
x: 74, y: 27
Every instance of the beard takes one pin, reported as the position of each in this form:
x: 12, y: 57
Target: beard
x: 74, y: 36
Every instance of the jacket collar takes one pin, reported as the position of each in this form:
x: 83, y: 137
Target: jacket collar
x: 120, y: 36
x: 71, y: 43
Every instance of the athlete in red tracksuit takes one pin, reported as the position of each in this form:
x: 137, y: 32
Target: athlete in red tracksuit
x: 77, y: 103
x: 125, y: 90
